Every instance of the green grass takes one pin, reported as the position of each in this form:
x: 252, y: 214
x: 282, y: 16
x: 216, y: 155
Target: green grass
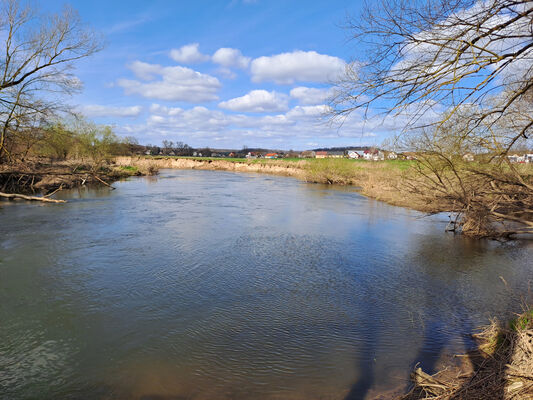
x: 129, y: 168
x: 523, y: 322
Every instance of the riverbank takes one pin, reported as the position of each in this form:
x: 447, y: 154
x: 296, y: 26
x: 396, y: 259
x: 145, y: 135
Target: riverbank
x: 44, y: 176
x: 387, y: 181
x: 501, y: 368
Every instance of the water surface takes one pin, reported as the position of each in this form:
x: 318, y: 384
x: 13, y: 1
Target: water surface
x: 215, y: 285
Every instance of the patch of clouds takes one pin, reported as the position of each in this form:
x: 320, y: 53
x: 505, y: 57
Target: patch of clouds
x: 200, y: 126
x: 318, y: 111
x: 170, y: 83
x: 98, y: 110
x: 304, y: 66
x: 260, y: 101
x: 188, y: 54
x: 310, y: 96
x: 230, y: 58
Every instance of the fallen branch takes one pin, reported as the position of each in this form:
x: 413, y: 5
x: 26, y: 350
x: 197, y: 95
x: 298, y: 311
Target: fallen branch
x: 30, y: 198
x: 104, y: 182
x: 54, y: 192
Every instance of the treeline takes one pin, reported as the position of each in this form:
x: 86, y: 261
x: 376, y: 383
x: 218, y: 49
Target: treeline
x: 77, y: 139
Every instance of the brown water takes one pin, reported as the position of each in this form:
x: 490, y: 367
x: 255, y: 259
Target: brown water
x: 214, y: 285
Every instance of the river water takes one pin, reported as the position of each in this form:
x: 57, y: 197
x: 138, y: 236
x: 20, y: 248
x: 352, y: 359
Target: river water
x: 216, y: 285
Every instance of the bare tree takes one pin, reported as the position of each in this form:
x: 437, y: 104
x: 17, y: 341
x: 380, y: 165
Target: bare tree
x: 458, y: 77
x: 37, y: 54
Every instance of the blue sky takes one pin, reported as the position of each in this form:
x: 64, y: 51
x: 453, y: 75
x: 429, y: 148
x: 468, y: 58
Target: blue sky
x: 224, y: 73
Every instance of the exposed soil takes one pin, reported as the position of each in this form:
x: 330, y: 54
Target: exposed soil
x: 42, y: 176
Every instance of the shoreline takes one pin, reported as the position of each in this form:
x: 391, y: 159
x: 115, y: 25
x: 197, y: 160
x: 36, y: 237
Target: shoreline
x: 379, y: 180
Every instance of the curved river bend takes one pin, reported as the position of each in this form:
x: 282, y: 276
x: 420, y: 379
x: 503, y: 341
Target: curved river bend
x: 215, y: 285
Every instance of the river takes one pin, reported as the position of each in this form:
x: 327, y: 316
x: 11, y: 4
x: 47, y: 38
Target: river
x: 217, y: 285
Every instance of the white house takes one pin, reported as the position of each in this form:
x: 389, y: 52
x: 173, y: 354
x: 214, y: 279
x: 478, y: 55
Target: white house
x: 353, y: 154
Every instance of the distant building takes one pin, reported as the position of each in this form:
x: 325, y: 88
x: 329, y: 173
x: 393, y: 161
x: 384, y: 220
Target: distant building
x: 392, y: 155
x: 353, y: 154
x: 321, y: 154
x: 271, y: 155
x: 468, y: 157
x: 307, y: 154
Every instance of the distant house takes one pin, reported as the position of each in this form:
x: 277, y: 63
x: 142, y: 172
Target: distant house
x: 374, y: 155
x: 321, y: 154
x: 271, y: 155
x: 307, y: 154
x: 353, y: 154
x: 468, y: 157
x: 392, y: 155
x: 514, y: 158
x: 528, y: 158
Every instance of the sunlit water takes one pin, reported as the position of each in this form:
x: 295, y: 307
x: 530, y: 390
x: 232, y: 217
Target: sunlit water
x: 213, y: 285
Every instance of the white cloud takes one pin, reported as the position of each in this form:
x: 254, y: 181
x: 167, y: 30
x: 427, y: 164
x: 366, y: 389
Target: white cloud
x: 300, y: 124
x: 188, y: 54
x: 286, y: 68
x: 144, y: 70
x: 97, y: 110
x: 175, y: 83
x: 228, y: 57
x: 258, y: 101
x: 310, y: 96
x: 308, y: 111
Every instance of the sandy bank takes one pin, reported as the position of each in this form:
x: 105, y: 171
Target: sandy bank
x: 289, y: 169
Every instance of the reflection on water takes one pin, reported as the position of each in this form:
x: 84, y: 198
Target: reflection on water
x: 213, y: 285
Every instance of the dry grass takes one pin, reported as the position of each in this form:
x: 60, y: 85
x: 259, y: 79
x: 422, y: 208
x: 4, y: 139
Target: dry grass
x: 502, y: 368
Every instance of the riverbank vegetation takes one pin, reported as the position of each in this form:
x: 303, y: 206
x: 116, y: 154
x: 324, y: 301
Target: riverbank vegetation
x: 460, y: 76
x: 44, y: 146
x: 500, y: 368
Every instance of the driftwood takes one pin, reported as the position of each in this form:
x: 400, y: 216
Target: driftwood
x: 30, y: 198
x: 104, y: 182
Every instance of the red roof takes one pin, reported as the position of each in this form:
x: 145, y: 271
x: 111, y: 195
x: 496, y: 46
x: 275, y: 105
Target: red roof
x: 271, y: 155
x: 321, y: 153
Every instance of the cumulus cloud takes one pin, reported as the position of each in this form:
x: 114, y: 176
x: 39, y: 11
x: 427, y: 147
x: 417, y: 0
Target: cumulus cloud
x: 299, y: 124
x: 307, y: 66
x: 97, y: 110
x: 308, y: 111
x: 188, y: 54
x: 258, y: 101
x: 310, y: 96
x: 228, y: 57
x: 170, y: 83
x: 194, y: 120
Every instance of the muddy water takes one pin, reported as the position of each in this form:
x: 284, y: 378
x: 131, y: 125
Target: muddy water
x: 215, y: 285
